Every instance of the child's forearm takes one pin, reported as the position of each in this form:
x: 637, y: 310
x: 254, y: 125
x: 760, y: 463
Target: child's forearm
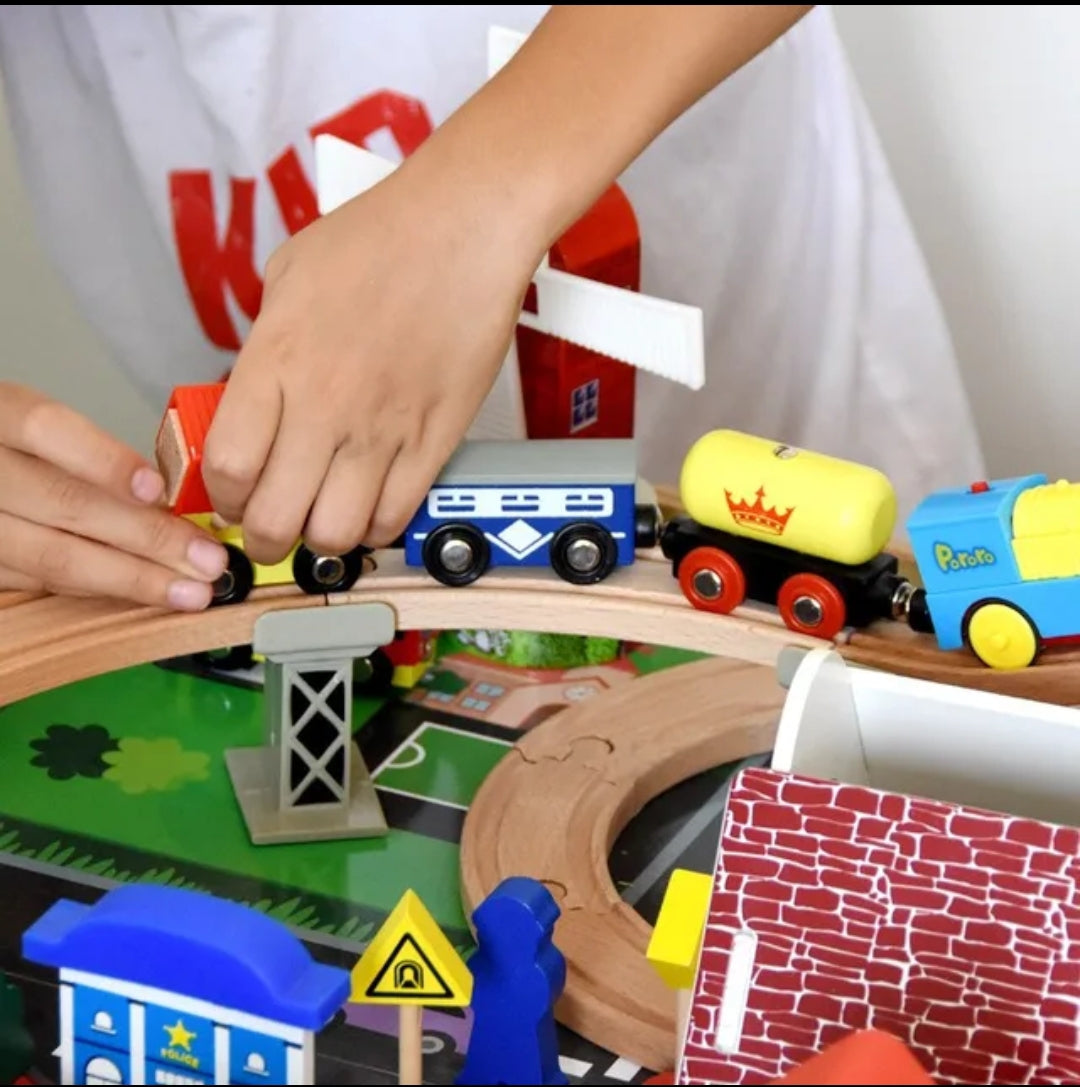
x: 584, y: 96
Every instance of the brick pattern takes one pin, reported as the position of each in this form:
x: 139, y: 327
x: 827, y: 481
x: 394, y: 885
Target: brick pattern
x: 957, y: 930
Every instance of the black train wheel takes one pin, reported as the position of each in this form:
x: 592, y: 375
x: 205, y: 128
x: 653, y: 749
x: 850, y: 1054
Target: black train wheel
x: 375, y: 675
x: 583, y: 553
x: 316, y: 574
x: 456, y: 554
x: 237, y: 581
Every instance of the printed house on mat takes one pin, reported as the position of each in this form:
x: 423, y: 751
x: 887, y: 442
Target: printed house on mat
x: 838, y: 907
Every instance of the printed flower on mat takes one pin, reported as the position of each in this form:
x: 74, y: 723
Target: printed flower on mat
x: 154, y: 766
x: 68, y: 751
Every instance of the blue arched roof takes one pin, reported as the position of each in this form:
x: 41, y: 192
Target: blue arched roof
x: 193, y: 945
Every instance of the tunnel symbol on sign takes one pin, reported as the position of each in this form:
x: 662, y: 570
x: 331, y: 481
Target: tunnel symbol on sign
x: 408, y: 975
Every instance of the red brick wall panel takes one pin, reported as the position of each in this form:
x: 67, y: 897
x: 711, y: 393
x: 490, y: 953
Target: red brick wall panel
x: 956, y: 930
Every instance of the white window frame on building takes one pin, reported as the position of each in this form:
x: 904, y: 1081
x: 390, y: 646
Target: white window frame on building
x: 299, y: 1043
x: 588, y: 396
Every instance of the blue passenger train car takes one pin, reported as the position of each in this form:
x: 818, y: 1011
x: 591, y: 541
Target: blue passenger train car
x: 569, y: 504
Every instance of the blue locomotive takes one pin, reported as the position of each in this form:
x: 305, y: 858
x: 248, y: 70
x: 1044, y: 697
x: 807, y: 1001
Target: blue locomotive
x: 1001, y: 565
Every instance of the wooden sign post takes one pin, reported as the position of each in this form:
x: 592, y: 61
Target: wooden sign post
x: 410, y: 963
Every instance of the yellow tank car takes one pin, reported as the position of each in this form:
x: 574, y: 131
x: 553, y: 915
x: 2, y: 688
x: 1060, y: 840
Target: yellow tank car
x: 792, y: 498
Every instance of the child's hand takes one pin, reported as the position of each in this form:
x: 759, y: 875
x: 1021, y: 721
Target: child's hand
x: 78, y: 514
x: 383, y: 327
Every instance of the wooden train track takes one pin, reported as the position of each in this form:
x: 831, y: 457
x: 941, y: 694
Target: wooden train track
x: 893, y: 647
x: 554, y: 806
x: 47, y: 641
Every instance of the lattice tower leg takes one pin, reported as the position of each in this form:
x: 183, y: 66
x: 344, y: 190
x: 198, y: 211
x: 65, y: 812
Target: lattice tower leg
x: 308, y: 781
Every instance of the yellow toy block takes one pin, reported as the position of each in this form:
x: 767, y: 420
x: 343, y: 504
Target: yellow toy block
x: 407, y: 676
x: 411, y: 961
x: 676, y: 940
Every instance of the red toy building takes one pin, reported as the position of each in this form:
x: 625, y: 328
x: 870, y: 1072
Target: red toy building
x: 836, y: 908
x: 570, y: 392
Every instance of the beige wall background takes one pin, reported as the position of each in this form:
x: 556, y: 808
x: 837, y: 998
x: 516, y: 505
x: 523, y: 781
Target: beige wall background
x: 978, y: 109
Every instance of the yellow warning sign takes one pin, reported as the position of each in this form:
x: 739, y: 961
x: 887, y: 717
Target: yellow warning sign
x: 411, y: 961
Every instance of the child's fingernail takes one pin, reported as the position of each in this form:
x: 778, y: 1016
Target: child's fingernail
x: 147, y: 485
x: 207, y: 557
x: 189, y: 595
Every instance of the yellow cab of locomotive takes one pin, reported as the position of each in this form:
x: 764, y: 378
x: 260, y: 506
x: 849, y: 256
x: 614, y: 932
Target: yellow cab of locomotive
x: 1046, y: 531
x: 802, y: 501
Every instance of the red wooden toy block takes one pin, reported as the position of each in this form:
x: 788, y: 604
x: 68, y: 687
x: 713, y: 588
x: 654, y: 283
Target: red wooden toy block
x: 180, y: 442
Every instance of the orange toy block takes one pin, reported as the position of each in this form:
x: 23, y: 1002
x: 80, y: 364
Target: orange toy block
x: 864, y: 1058
x: 179, y: 446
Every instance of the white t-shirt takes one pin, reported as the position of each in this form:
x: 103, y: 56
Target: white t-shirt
x: 168, y: 151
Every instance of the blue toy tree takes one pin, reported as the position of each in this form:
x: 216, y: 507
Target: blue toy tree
x: 518, y: 975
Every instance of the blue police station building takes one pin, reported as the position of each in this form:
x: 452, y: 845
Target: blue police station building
x: 159, y: 985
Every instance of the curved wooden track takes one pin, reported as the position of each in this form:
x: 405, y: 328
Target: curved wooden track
x: 48, y: 641
x: 554, y: 806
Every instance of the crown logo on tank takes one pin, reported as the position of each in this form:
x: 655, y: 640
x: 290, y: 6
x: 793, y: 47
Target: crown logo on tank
x: 758, y: 516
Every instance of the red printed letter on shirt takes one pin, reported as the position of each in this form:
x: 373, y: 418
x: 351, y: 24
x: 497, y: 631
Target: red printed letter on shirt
x: 406, y: 119
x: 210, y: 266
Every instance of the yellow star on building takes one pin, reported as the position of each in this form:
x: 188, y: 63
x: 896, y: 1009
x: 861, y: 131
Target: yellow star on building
x: 179, y: 1036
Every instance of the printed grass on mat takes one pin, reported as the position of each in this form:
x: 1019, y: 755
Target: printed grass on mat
x: 104, y: 859
x: 123, y: 775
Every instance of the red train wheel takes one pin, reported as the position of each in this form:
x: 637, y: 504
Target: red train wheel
x: 712, y: 580
x: 812, y: 605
